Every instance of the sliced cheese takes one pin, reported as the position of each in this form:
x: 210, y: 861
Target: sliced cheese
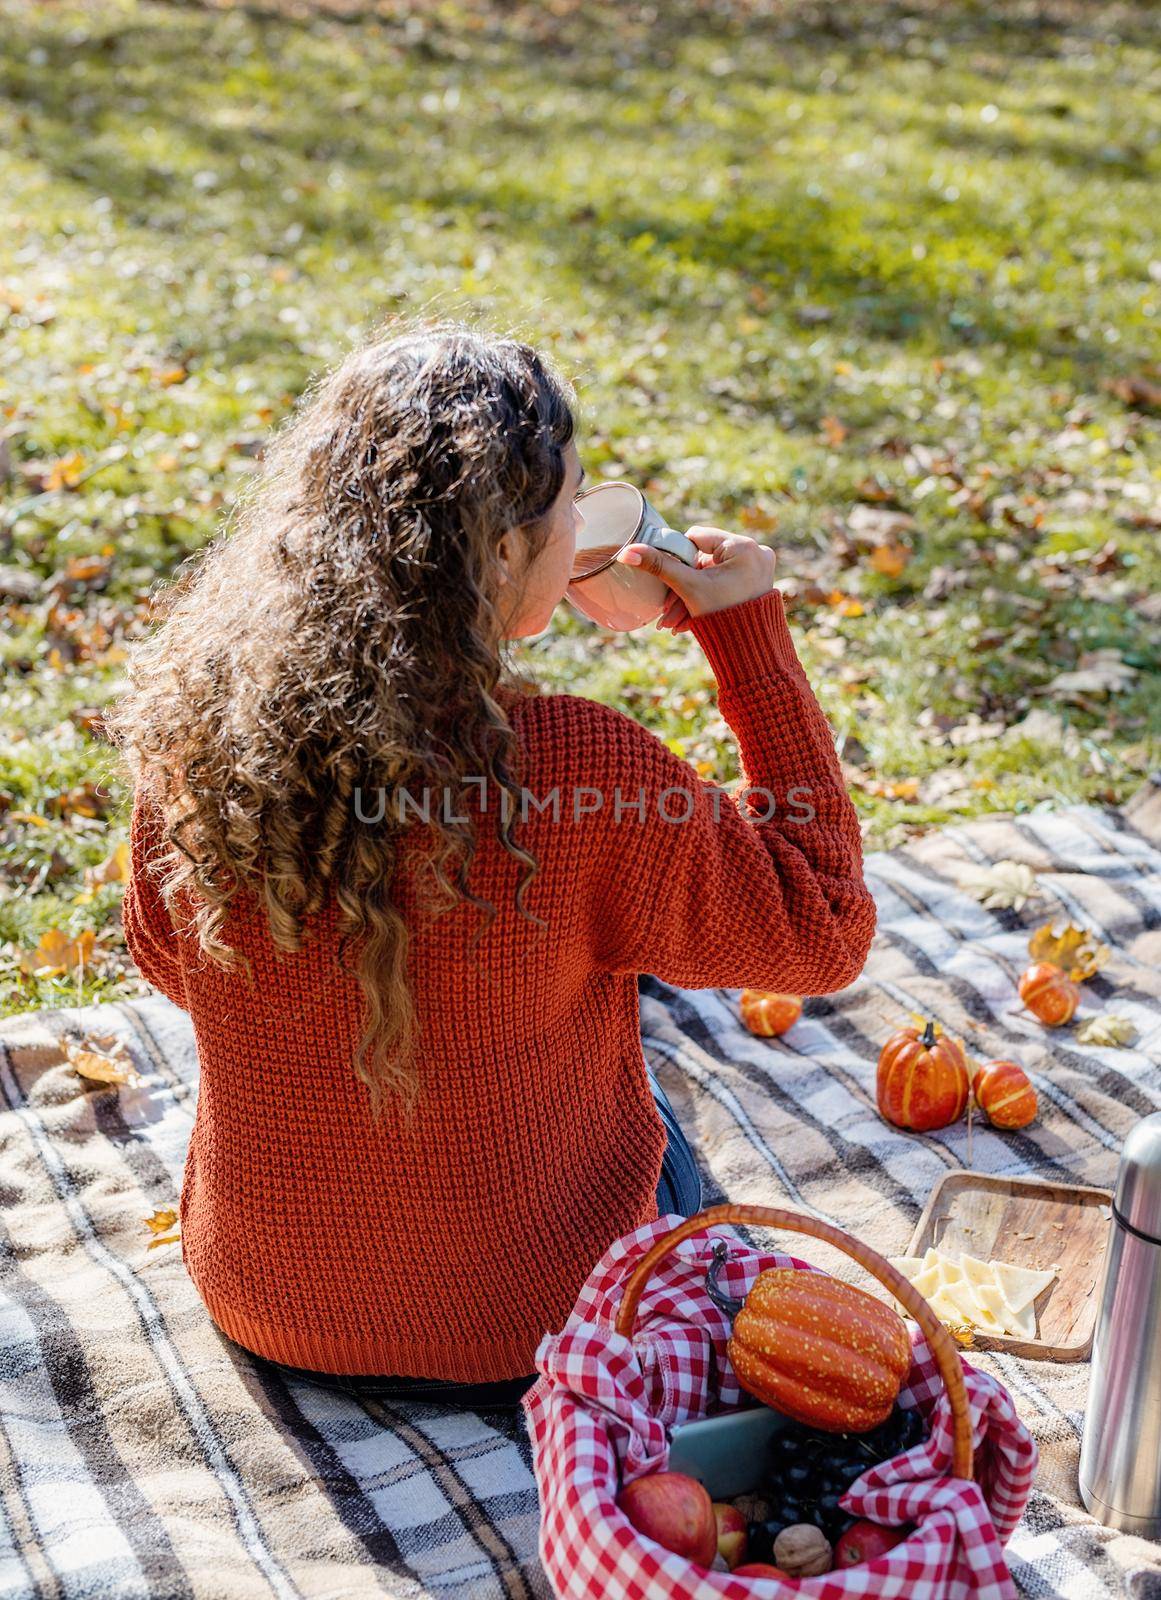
x: 1024, y: 1322
x: 944, y: 1309
x: 976, y: 1271
x: 993, y: 1296
x: 909, y: 1266
x: 966, y: 1299
x: 1020, y: 1285
x: 993, y: 1302
x: 929, y: 1281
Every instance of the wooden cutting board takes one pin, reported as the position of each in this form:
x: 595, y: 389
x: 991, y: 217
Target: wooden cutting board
x: 1031, y: 1224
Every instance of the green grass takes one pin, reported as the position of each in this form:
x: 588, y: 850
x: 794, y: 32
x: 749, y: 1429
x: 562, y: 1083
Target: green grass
x: 896, y: 253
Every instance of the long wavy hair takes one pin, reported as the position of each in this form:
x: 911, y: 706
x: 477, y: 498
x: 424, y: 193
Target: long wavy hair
x: 341, y: 633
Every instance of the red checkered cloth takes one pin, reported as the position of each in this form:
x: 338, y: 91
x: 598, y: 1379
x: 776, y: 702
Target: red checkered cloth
x: 599, y: 1413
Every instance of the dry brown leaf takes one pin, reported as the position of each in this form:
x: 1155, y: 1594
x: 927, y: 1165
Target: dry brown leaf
x: 879, y: 524
x: 161, y: 1221
x: 1137, y: 392
x: 1107, y: 1029
x: 86, y: 569
x: 103, y: 1065
x: 169, y: 1238
x: 889, y: 560
x: 1097, y: 672
x: 1074, y: 949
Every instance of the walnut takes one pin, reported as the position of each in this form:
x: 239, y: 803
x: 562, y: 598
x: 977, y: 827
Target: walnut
x: 802, y: 1551
x: 754, y: 1507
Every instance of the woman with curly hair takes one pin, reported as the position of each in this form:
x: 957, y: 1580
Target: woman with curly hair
x: 405, y: 898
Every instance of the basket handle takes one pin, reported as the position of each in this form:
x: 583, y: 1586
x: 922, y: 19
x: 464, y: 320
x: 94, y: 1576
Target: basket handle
x: 939, y: 1340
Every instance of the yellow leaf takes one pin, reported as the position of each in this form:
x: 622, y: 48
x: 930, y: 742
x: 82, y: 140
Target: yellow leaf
x: 113, y: 870
x: 169, y: 1238
x: 65, y: 473
x: 921, y: 1022
x: 33, y: 817
x: 161, y: 1221
x: 1074, y: 949
x: 889, y: 560
x: 833, y: 431
x: 168, y: 376
x: 56, y: 954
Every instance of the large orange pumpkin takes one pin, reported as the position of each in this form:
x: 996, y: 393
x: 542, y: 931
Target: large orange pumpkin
x: 768, y: 1014
x: 922, y: 1082
x: 1005, y: 1094
x: 1049, y: 993
x: 819, y: 1350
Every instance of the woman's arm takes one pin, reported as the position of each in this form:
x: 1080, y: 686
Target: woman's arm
x: 148, y: 931
x: 769, y: 899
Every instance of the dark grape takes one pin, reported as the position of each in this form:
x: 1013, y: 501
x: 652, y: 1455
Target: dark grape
x: 847, y: 1471
x: 759, y: 1542
x: 786, y: 1447
x: 798, y: 1477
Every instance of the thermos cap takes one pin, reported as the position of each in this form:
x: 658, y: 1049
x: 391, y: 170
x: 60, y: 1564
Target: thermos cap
x: 1137, y: 1198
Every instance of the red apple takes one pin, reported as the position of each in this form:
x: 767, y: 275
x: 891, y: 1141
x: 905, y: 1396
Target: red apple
x: 674, y: 1509
x: 863, y: 1541
x: 731, y: 1533
x: 759, y: 1569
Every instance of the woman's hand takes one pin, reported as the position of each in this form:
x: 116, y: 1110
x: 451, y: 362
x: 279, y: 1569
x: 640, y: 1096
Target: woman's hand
x: 731, y: 567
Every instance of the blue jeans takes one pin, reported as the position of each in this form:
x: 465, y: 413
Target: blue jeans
x: 678, y: 1189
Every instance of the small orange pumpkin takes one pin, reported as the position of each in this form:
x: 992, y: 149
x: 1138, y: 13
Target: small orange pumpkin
x: 922, y: 1082
x: 819, y: 1350
x: 768, y: 1014
x: 1049, y: 993
x: 1004, y: 1093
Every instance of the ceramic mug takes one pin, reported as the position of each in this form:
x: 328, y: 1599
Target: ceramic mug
x: 604, y: 589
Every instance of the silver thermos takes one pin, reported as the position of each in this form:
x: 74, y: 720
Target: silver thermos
x: 1120, y: 1453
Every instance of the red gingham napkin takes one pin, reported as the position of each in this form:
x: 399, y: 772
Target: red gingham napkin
x: 598, y: 1416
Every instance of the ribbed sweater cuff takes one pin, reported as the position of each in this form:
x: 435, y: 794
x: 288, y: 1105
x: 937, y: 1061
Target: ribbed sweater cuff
x: 745, y: 641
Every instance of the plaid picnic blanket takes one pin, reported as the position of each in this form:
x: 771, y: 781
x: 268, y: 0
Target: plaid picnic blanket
x: 142, y: 1455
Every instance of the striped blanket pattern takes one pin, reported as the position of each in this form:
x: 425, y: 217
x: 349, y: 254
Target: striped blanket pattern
x: 141, y: 1455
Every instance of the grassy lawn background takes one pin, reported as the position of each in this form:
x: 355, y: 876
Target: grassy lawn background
x: 880, y: 284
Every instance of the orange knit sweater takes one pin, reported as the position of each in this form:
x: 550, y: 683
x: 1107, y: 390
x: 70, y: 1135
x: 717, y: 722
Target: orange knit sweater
x: 318, y: 1239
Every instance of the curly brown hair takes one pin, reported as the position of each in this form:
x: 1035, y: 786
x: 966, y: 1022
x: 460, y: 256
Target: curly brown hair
x: 341, y: 633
